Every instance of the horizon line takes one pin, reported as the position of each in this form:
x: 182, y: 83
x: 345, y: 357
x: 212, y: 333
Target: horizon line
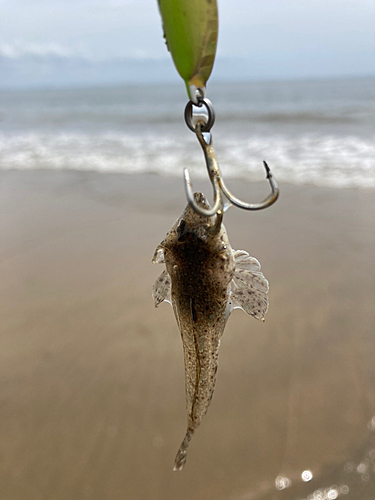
x: 178, y: 82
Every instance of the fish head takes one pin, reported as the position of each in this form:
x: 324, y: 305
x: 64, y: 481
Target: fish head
x: 197, y: 249
x: 193, y: 226
x: 198, y: 245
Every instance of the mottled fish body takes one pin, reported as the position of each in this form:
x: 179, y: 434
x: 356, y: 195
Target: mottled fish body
x: 204, y: 280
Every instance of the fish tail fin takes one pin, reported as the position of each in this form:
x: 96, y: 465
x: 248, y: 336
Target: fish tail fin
x: 180, y: 459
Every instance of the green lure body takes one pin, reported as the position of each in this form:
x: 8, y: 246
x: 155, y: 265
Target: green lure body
x: 190, y: 29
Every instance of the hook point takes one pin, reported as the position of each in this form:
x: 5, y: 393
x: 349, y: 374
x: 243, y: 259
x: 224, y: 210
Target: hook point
x: 268, y: 170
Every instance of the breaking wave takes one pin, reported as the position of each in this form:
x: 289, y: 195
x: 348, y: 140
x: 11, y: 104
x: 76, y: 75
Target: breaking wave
x: 323, y: 160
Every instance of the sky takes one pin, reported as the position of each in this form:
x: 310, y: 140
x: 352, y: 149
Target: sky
x: 66, y: 42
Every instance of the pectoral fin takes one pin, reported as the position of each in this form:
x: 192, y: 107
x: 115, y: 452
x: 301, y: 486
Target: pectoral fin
x: 249, y: 288
x: 161, y: 291
x: 158, y: 257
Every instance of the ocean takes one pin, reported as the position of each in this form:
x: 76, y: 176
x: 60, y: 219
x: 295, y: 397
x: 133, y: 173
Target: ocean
x: 310, y: 132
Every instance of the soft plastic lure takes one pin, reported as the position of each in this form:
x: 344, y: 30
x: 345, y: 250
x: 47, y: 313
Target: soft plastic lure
x: 204, y: 280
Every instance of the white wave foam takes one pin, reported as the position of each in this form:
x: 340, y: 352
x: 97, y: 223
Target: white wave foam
x: 321, y: 160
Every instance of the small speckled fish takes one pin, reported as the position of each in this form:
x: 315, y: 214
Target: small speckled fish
x: 204, y: 281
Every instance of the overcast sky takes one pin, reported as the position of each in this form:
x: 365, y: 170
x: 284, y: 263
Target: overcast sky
x: 276, y: 38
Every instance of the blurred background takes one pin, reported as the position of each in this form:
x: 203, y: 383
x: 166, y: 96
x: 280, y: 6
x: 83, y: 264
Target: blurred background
x: 92, y: 148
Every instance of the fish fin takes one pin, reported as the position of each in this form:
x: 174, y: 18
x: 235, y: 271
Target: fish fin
x: 158, y: 257
x: 244, y: 261
x: 248, y: 288
x: 180, y: 459
x: 231, y: 305
x: 161, y: 291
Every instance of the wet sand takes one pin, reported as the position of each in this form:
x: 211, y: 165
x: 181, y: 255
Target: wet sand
x: 92, y: 382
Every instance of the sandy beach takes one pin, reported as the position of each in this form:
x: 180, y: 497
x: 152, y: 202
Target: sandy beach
x: 92, y: 377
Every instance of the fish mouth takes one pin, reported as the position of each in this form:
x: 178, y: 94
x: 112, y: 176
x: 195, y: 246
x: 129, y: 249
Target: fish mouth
x: 201, y: 200
x: 192, y: 221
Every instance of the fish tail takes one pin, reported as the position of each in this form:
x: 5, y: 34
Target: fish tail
x: 180, y: 459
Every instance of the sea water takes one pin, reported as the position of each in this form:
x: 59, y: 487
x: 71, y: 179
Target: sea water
x: 311, y: 131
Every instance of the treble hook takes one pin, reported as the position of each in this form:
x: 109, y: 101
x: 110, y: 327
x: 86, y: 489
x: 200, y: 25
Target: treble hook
x: 219, y: 187
x: 220, y: 190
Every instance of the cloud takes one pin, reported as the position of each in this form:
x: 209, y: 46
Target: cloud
x: 22, y: 49
x: 53, y: 51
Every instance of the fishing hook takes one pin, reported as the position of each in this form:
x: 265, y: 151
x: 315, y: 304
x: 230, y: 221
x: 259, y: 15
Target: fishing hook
x: 220, y: 190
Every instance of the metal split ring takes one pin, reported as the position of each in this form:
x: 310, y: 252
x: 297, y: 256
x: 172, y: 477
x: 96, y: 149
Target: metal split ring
x: 206, y: 127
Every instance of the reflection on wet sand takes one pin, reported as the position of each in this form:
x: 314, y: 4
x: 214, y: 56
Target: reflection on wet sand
x: 92, y: 378
x: 353, y: 479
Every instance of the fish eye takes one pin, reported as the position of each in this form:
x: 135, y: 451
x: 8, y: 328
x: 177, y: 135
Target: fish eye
x: 182, y: 231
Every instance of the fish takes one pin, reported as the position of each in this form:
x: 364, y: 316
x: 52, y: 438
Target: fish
x: 204, y: 280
